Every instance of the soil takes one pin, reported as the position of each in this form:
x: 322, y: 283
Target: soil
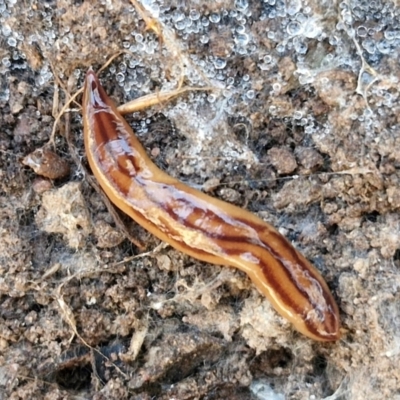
x: 299, y: 124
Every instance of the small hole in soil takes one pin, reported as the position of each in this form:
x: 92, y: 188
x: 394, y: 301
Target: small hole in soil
x: 75, y: 378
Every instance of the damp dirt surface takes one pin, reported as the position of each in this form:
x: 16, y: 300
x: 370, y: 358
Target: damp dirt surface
x: 299, y: 124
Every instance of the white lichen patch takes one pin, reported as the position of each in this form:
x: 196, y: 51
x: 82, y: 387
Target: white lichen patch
x: 64, y: 211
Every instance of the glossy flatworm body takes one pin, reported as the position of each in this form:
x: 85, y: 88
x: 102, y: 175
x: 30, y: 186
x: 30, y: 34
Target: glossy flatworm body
x: 199, y: 225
